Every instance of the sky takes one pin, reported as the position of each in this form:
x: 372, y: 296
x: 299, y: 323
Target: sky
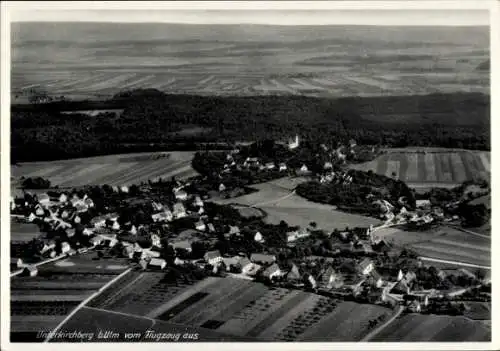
x: 396, y: 17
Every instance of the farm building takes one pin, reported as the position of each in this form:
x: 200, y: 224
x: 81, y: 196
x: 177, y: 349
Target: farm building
x: 294, y: 275
x: 163, y: 216
x: 282, y: 167
x: 272, y: 271
x: 213, y: 257
x: 180, y: 195
x: 263, y: 258
x: 100, y: 221
x: 179, y: 210
x: 297, y: 234
x: 182, y: 245
x: 200, y: 226
x: 375, y: 279
x: 230, y: 262
x: 401, y: 288
x: 423, y: 204
x: 330, y: 278
x: 30, y: 271
x: 43, y: 199
x: 245, y: 264
x: 270, y: 165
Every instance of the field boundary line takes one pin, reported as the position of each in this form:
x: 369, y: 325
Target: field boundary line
x: 471, y: 232
x: 457, y: 263
x: 123, y: 314
x: 84, y: 302
x: 375, y: 332
x: 274, y: 200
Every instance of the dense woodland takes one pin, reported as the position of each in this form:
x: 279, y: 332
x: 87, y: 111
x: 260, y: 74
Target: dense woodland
x: 151, y: 119
x: 357, y: 197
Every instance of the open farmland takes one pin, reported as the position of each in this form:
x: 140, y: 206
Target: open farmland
x: 282, y: 204
x: 242, y: 60
x: 23, y: 232
x: 40, y: 303
x: 416, y: 327
x: 444, y: 243
x: 112, y: 170
x: 424, y: 168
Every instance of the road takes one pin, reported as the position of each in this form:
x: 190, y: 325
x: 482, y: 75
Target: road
x: 465, y: 264
x: 274, y: 200
x: 377, y: 330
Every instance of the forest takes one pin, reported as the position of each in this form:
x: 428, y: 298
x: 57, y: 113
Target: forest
x: 154, y: 121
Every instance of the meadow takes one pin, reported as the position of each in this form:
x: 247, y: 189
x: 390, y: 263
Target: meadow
x: 279, y: 201
x: 428, y: 167
x: 416, y: 327
x: 443, y: 243
x: 112, y: 170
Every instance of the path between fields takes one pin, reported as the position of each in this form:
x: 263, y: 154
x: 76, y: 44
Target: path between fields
x: 376, y: 331
x: 465, y: 264
x: 274, y: 200
x: 471, y: 232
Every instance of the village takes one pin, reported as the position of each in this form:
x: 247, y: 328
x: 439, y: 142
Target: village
x: 159, y: 226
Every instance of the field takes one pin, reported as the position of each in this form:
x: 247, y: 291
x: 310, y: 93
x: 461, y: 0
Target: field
x: 424, y: 168
x: 444, y: 243
x: 23, y: 232
x: 238, y: 307
x: 415, y: 327
x: 282, y: 204
x: 41, y: 303
x: 112, y: 170
x: 243, y: 60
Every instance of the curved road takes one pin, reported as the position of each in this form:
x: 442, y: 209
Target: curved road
x: 376, y: 331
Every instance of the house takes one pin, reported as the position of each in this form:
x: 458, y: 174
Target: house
x: 222, y: 187
x: 282, y: 167
x: 401, y: 288
x: 16, y: 263
x: 245, y: 265
x: 96, y: 240
x: 39, y: 210
x: 30, y: 271
x: 213, y: 257
x: 200, y: 226
x: 329, y: 278
x: 376, y: 279
x: 124, y: 189
x: 31, y: 217
x: 163, y: 216
x: 182, y: 245
x: 327, y: 165
x: 352, y: 143
x: 198, y: 201
x: 150, y: 253
x: 230, y: 262
x: 128, y: 251
x: 410, y: 276
x: 180, y: 195
x: 43, y: 199
x: 179, y: 210
x: 309, y: 280
x: 48, y: 246
x: 272, y: 271
x: 365, y: 266
x: 88, y: 202
x: 179, y: 262
x: 423, y: 204
x: 304, y: 169
x: 115, y: 225
x: 354, y: 283
x: 143, y: 263
x: 270, y: 165
x: 294, y: 276
x: 70, y: 232
x: 294, y: 143
x: 100, y: 221
x: 155, y: 240
x: 258, y: 237
x: 211, y: 228
x: 297, y: 234
x: 415, y: 306
x: 88, y: 231
x: 262, y: 258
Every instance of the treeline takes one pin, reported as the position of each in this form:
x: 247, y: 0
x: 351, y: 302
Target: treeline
x: 151, y: 117
x: 359, y: 196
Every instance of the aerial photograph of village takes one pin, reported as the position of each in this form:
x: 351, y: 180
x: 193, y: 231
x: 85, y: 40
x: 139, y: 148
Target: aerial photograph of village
x: 244, y: 176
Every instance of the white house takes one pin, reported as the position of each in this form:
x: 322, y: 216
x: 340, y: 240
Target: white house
x: 157, y: 263
x: 272, y: 271
x: 270, y: 165
x: 179, y: 210
x: 200, y: 226
x: 63, y: 198
x: 365, y: 266
x: 293, y: 144
x: 31, y: 217
x: 304, y: 168
x: 65, y: 247
x: 327, y: 165
x: 213, y: 257
x: 258, y: 237
x: 88, y: 231
x: 43, y: 199
x: 222, y: 187
x: 181, y: 195
x: 282, y: 167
